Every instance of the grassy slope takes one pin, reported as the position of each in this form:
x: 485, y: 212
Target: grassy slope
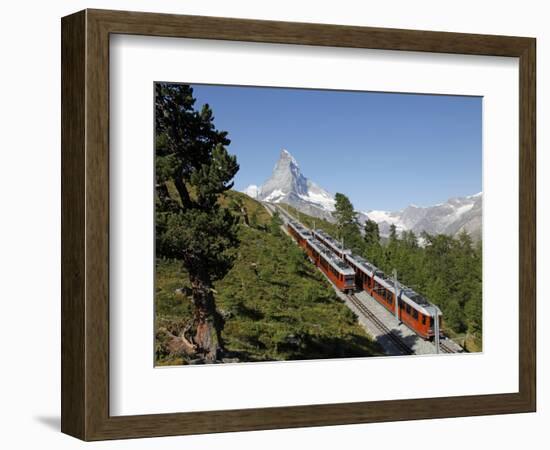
x: 312, y: 222
x: 277, y: 306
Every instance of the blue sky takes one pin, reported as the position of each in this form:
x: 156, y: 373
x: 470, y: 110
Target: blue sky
x: 383, y: 150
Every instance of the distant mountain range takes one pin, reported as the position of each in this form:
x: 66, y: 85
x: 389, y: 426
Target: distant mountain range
x: 451, y: 217
x: 288, y: 185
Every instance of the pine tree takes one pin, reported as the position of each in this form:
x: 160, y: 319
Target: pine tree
x: 409, y: 240
x: 344, y: 213
x: 346, y: 222
x: 373, y: 249
x: 238, y: 206
x: 393, y: 233
x: 275, y: 224
x: 191, y: 157
x: 372, y: 233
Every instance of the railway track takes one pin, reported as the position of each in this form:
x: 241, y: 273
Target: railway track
x: 396, y: 340
x: 404, y: 348
x: 445, y: 348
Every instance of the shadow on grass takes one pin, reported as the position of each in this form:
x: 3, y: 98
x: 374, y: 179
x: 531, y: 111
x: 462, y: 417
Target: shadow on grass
x: 325, y: 347
x: 251, y: 313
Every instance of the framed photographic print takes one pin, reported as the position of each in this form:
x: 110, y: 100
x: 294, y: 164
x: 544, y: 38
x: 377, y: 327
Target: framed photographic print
x: 258, y: 217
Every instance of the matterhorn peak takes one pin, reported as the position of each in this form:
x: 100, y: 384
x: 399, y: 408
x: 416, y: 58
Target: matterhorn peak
x: 288, y: 185
x: 287, y: 156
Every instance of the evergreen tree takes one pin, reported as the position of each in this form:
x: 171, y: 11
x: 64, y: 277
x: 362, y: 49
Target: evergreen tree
x: 238, y: 206
x: 393, y: 233
x: 191, y: 156
x: 409, y: 239
x: 346, y: 222
x: 344, y: 212
x: 372, y: 233
x: 373, y: 249
x: 275, y: 224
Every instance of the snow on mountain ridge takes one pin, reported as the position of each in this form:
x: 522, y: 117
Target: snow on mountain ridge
x: 285, y: 152
x: 275, y: 196
x: 287, y: 184
x: 451, y: 217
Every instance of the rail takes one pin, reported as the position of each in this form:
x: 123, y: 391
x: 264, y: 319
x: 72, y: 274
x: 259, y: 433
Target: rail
x: 368, y: 314
x: 445, y: 348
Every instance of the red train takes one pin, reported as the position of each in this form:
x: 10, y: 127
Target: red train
x: 414, y: 310
x: 351, y: 272
x: 340, y: 273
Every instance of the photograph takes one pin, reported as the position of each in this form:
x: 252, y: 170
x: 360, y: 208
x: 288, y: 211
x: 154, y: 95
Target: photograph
x: 307, y: 224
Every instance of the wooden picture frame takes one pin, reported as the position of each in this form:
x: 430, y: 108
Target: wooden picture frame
x: 85, y: 224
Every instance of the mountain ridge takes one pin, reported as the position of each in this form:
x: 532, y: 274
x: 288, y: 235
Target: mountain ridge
x: 450, y: 217
x: 287, y: 184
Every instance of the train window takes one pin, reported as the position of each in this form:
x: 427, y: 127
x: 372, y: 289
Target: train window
x: 408, y: 308
x: 431, y: 321
x: 423, y: 320
x: 415, y: 314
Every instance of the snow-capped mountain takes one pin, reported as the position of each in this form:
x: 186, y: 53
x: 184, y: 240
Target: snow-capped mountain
x: 451, y: 217
x: 288, y: 185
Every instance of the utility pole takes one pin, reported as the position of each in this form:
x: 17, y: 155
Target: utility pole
x: 436, y: 329
x: 396, y: 292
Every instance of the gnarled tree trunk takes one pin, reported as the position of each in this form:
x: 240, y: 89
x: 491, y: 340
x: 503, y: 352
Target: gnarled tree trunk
x: 207, y: 322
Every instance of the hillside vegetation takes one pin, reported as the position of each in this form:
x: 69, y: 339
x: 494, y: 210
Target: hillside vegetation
x: 276, y: 305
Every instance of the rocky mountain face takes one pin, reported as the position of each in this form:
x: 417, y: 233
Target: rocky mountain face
x: 288, y: 185
x: 451, y: 217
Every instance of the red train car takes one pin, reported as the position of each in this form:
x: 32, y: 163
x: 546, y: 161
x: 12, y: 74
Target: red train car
x: 414, y: 310
x: 424, y: 323
x: 336, y: 269
x: 336, y: 246
x: 341, y: 275
x: 300, y: 233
